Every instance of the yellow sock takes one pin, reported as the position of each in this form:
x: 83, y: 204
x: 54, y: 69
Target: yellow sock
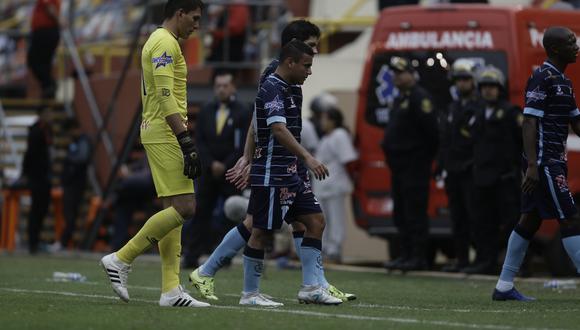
x: 156, y: 227
x: 170, y: 251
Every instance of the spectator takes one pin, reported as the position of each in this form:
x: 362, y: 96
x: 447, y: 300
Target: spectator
x: 456, y: 158
x: 496, y: 169
x: 37, y: 171
x: 228, y: 30
x: 219, y: 136
x: 134, y: 189
x: 44, y: 38
x: 74, y: 179
x: 336, y: 151
x: 320, y: 103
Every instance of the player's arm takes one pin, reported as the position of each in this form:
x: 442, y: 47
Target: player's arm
x: 163, y: 76
x: 239, y: 174
x: 529, y: 138
x: 287, y: 140
x: 536, y: 94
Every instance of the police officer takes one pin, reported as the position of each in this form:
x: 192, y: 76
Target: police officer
x: 456, y: 158
x: 410, y: 144
x: 496, y: 169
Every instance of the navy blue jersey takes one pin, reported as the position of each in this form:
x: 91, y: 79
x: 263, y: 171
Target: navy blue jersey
x: 273, y: 164
x: 297, y: 95
x: 550, y: 98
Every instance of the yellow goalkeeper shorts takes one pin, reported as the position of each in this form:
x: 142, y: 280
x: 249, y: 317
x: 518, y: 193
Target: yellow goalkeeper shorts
x: 166, y: 163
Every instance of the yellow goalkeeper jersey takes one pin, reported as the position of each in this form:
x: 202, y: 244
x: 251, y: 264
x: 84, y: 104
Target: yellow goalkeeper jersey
x: 163, y: 86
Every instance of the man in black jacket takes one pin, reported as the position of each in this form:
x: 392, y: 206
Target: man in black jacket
x: 410, y: 144
x: 496, y: 168
x: 219, y: 135
x: 456, y: 158
x: 36, y: 168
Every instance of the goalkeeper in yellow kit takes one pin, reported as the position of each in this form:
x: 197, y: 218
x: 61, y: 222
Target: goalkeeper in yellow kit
x: 171, y: 153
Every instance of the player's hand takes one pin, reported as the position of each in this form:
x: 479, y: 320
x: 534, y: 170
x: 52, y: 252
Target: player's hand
x: 191, y: 161
x: 318, y: 169
x: 531, y: 179
x: 239, y: 174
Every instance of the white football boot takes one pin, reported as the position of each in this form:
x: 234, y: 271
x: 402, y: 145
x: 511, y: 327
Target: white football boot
x: 117, y: 272
x: 315, y: 294
x: 258, y: 299
x: 179, y: 298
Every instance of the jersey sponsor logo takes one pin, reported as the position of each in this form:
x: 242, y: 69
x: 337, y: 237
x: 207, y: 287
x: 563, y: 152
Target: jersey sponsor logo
x: 436, y: 39
x: 275, y: 105
x: 145, y: 125
x: 536, y: 95
x: 165, y: 92
x: 162, y: 60
x: 561, y: 182
x: 292, y: 168
x: 258, y: 152
x: 286, y: 196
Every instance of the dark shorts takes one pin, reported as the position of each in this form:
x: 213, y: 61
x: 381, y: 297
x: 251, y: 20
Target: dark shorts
x: 551, y: 198
x: 269, y: 206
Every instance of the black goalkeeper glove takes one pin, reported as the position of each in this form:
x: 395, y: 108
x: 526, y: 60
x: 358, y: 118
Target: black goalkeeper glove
x: 191, y: 162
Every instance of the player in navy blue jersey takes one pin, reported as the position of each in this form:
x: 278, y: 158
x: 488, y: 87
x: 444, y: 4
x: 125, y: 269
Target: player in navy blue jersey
x: 277, y: 192
x: 550, y: 108
x: 203, y: 277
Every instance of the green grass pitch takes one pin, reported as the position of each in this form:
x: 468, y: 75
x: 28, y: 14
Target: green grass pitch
x: 30, y: 300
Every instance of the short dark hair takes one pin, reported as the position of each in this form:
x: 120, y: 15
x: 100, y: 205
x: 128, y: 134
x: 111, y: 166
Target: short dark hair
x: 335, y: 116
x: 223, y: 72
x: 295, y: 49
x: 172, y: 6
x: 300, y: 29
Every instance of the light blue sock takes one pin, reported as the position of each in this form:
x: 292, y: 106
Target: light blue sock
x: 572, y: 246
x: 232, y: 243
x: 516, y: 251
x: 311, y: 260
x: 298, y: 236
x: 253, y: 267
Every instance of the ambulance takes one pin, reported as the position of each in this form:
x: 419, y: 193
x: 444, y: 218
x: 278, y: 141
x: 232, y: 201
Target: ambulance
x: 509, y: 38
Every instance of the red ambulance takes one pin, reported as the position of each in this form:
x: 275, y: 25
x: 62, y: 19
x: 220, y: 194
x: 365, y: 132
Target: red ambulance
x: 509, y: 38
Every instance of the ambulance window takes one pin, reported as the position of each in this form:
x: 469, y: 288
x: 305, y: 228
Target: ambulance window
x: 433, y: 70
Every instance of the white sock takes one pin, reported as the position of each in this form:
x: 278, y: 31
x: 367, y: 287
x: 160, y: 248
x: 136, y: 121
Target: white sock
x: 172, y: 293
x: 504, y: 286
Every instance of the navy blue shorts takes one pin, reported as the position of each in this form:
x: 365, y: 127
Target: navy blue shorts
x: 271, y: 205
x: 551, y: 198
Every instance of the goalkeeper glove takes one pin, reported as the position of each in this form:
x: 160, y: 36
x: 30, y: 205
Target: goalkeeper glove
x: 191, y: 161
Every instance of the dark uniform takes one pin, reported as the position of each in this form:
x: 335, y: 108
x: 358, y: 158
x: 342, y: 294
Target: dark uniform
x: 456, y: 157
x: 410, y: 144
x: 496, y: 169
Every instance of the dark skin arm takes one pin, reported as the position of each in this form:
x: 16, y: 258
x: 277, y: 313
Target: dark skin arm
x: 176, y: 123
x: 286, y: 139
x: 529, y: 138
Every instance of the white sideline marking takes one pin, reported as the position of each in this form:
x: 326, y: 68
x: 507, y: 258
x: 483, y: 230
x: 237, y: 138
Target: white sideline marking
x: 296, y: 312
x: 378, y: 306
